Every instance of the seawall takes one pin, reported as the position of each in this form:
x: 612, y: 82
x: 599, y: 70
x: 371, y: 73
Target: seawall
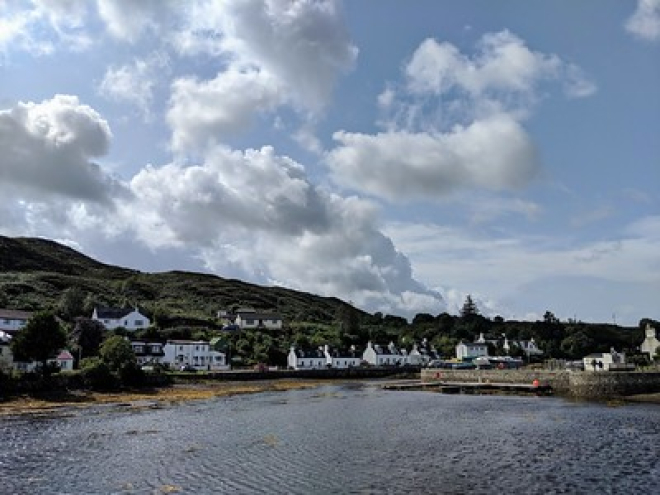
x: 579, y: 384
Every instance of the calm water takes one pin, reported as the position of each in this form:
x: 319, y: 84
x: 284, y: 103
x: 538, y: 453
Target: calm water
x: 338, y: 439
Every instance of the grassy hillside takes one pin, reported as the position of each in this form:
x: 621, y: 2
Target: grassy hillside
x: 35, y: 272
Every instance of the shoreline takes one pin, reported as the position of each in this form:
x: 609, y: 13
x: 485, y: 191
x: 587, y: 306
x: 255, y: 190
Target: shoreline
x: 53, y: 403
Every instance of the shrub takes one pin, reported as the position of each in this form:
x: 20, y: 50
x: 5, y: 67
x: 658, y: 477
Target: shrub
x: 97, y: 375
x: 131, y: 375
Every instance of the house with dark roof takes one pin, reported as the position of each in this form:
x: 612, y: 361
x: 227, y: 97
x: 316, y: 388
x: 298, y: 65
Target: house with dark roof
x: 148, y: 352
x: 341, y: 359
x: 307, y: 359
x: 12, y: 320
x: 252, y: 319
x: 128, y: 318
x: 471, y: 350
x: 383, y: 355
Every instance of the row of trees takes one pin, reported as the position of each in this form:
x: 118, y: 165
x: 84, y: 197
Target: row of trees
x: 106, y: 360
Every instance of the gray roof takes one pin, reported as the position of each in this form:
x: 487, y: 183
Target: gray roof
x: 14, y: 314
x: 113, y: 313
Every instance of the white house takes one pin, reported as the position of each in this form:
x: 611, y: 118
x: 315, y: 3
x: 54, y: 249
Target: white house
x: 651, y: 342
x: 148, y: 352
x: 607, y: 361
x: 380, y: 355
x: 12, y: 320
x: 471, y: 350
x: 6, y: 356
x: 307, y: 359
x: 65, y: 360
x: 252, y: 319
x: 342, y: 359
x: 195, y: 353
x: 128, y: 318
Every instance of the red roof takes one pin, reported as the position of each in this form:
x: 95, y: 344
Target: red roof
x: 64, y: 355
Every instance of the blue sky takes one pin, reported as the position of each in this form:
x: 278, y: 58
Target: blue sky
x: 398, y: 155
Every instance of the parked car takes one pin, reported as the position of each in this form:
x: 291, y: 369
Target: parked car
x: 188, y: 368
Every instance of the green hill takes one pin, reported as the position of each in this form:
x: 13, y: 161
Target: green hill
x: 35, y: 272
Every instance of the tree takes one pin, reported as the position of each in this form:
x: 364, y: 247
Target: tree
x: 117, y: 352
x: 87, y: 336
x: 71, y: 303
x: 469, y: 308
x: 40, y: 340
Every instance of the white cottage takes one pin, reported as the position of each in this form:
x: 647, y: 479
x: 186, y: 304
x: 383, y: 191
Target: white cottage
x: 307, y: 359
x: 194, y: 353
x: 252, y: 319
x: 6, y: 356
x: 471, y: 350
x: 128, y: 318
x: 381, y: 355
x: 651, y: 342
x: 336, y: 358
x: 64, y: 360
x: 607, y: 361
x: 12, y: 320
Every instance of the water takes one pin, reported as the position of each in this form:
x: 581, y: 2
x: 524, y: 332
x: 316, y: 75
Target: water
x: 354, y: 439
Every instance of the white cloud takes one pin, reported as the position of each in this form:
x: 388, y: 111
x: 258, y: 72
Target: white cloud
x: 455, y: 122
x: 645, y: 21
x: 505, y: 268
x: 503, y: 66
x: 42, y: 27
x: 255, y: 215
x: 135, y: 83
x: 494, y: 154
x: 302, y: 43
x: 128, y: 20
x: 205, y: 112
x: 48, y: 147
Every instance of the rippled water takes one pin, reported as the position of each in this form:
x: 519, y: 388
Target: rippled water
x: 354, y: 439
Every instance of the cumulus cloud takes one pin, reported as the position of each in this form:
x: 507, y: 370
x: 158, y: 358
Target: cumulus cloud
x: 255, y: 215
x: 39, y: 28
x: 455, y: 121
x: 502, y: 66
x: 494, y: 153
x: 645, y: 21
x: 272, y: 53
x: 48, y: 147
x: 135, y: 83
x: 205, y: 112
x: 302, y: 43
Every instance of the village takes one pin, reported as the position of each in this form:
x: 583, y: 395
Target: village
x: 214, y: 356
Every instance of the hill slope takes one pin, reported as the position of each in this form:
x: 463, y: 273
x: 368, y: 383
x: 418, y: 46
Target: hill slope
x: 35, y: 272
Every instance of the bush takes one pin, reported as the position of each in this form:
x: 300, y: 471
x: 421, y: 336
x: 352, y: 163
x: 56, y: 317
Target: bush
x: 131, y: 375
x: 97, y: 375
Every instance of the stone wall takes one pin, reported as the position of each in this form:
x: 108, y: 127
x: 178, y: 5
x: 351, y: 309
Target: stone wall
x: 611, y: 385
x: 582, y: 384
x: 558, y: 380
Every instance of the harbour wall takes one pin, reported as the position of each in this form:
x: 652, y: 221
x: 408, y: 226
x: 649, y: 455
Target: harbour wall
x: 579, y: 384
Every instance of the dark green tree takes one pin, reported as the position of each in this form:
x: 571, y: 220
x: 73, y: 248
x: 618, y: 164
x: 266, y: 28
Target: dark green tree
x: 71, y: 303
x: 469, y: 308
x: 87, y: 336
x: 117, y: 352
x: 40, y: 340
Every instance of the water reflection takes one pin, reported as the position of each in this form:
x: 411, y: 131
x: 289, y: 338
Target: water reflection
x: 338, y: 439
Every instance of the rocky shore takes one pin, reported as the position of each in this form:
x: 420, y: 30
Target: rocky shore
x: 55, y: 402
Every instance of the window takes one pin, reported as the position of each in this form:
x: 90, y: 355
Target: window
x: 138, y: 323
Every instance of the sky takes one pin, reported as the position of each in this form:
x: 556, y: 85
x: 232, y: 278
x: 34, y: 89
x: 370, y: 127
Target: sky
x: 397, y: 155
